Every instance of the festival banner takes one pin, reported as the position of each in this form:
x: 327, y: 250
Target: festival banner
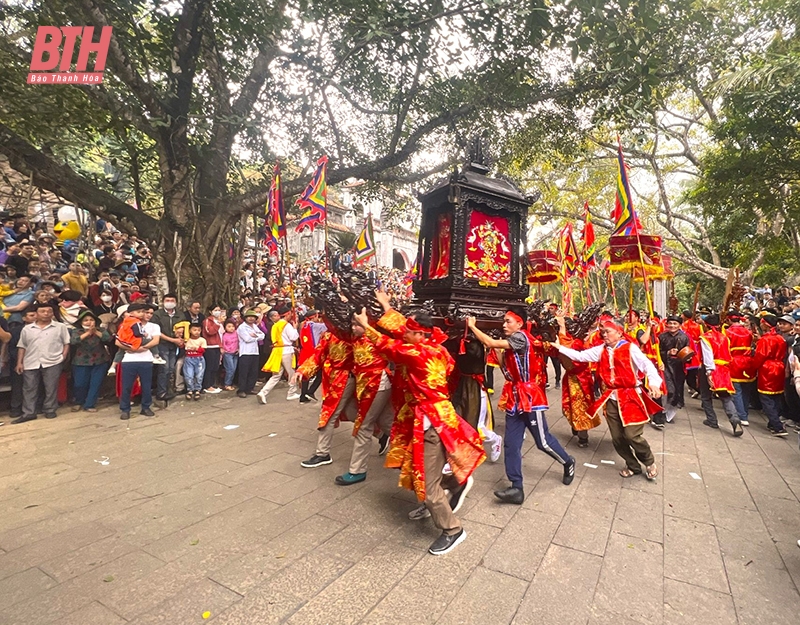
x: 589, y: 251
x: 365, y: 243
x: 314, y: 200
x: 544, y: 267
x: 488, y: 250
x: 624, y: 215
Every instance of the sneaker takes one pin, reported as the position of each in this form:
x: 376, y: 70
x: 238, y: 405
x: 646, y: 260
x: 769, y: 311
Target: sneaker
x: 147, y: 413
x: 292, y: 397
x: 583, y: 443
x: 446, y: 470
x: 657, y: 426
x: 316, y: 461
x: 547, y: 385
x: 497, y: 448
x: 348, y: 479
x: 744, y: 422
x: 241, y: 394
x: 714, y: 426
x: 158, y: 360
x: 780, y: 433
x: 262, y: 397
x: 458, y: 496
x: 417, y: 514
x: 510, y: 495
x: 383, y: 444
x: 445, y: 544
x: 124, y: 415
x: 311, y: 397
x: 569, y: 471
x: 305, y: 400
x: 737, y: 428
x: 558, y: 387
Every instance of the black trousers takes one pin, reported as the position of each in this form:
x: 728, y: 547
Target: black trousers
x: 248, y: 372
x: 309, y: 387
x: 211, y: 374
x: 556, y: 367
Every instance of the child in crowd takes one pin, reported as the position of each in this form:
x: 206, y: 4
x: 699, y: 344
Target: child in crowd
x: 130, y: 331
x: 230, y: 353
x: 194, y: 365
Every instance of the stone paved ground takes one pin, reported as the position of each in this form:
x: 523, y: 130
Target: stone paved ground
x: 187, y: 517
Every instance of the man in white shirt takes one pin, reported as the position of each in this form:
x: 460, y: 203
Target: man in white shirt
x: 626, y: 406
x: 138, y: 363
x: 249, y: 335
x: 41, y: 350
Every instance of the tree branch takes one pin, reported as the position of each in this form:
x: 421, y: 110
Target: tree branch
x: 65, y: 182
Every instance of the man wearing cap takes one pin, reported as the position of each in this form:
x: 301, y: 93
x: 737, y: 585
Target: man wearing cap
x: 670, y: 342
x: 249, y: 335
x: 768, y: 361
x: 524, y: 400
x: 138, y: 363
x: 715, y: 376
x: 742, y: 371
x: 627, y: 407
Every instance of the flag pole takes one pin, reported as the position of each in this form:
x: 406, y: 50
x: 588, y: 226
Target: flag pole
x: 287, y: 259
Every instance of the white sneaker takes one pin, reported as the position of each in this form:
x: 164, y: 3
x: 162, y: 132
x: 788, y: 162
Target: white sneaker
x: 497, y: 448
x: 447, y: 468
x: 262, y: 397
x: 158, y: 360
x: 291, y: 397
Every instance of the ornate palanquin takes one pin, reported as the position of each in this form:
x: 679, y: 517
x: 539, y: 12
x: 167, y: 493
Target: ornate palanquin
x: 471, y: 243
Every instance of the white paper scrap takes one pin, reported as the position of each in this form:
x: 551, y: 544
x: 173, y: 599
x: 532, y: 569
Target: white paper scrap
x: 695, y: 476
x: 230, y: 427
x: 104, y: 460
x: 607, y: 462
x: 272, y: 434
x: 591, y: 466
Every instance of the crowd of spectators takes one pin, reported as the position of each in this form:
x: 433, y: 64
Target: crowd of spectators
x: 63, y: 303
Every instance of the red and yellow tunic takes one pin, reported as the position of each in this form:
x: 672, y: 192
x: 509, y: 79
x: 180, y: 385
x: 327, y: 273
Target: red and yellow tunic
x: 619, y: 375
x: 693, y: 331
x: 577, y: 389
x: 369, y: 368
x: 651, y: 350
x: 720, y: 347
x: 525, y: 375
x: 769, y: 363
x: 334, y: 355
x: 741, y: 346
x: 427, y: 368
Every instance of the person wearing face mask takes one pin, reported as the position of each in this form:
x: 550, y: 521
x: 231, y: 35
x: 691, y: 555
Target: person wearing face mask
x: 212, y: 354
x: 106, y: 304
x: 166, y: 317
x: 89, y: 360
x: 102, y: 285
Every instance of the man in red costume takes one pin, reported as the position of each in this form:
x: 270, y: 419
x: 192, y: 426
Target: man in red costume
x: 334, y: 357
x: 715, y: 376
x: 524, y: 401
x: 693, y: 330
x: 769, y: 363
x: 627, y: 408
x: 742, y: 370
x: 373, y: 391
x: 437, y: 434
x: 646, y: 334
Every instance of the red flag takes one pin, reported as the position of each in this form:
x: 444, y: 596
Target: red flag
x: 588, y: 254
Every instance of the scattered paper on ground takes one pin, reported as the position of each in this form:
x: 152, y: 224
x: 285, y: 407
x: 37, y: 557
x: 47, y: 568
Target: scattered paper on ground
x: 695, y: 476
x: 607, y: 462
x: 104, y: 460
x: 271, y: 434
x: 230, y: 427
x: 591, y: 466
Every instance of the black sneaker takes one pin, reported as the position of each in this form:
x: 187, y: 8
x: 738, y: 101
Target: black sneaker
x: 23, y: 419
x: 383, y: 444
x: 50, y: 416
x: 147, y: 413
x: 569, y: 471
x: 510, y: 495
x: 458, y: 496
x: 124, y: 415
x: 305, y: 400
x: 316, y: 461
x: 311, y: 397
x: 714, y: 426
x: 780, y: 433
x: 657, y: 426
x: 737, y: 428
x: 444, y: 544
x: 583, y: 443
x: 241, y: 394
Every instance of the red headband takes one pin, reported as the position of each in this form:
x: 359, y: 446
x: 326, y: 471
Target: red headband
x: 413, y: 326
x: 515, y: 316
x: 611, y: 325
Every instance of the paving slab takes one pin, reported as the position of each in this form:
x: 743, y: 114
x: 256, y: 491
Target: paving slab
x: 189, y: 518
